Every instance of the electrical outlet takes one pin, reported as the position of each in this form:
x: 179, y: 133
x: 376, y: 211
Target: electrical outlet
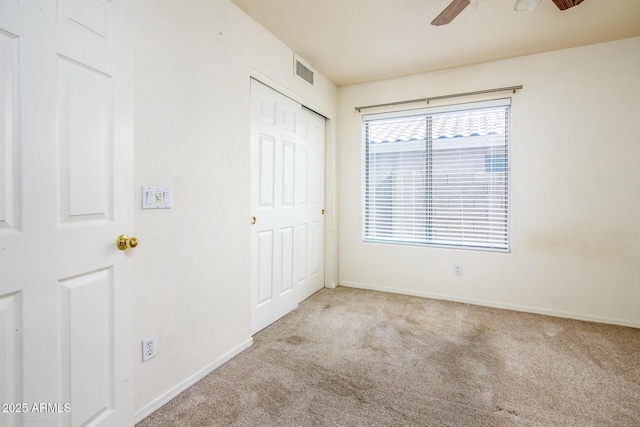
x: 149, y: 348
x: 457, y: 269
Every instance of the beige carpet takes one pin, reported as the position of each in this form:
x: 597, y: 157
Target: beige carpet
x: 350, y: 357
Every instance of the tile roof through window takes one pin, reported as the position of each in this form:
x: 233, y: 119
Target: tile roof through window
x: 479, y: 122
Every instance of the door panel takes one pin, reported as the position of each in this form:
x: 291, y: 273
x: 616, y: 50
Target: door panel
x: 87, y: 318
x: 302, y: 175
x: 267, y: 166
x: 302, y: 252
x: 288, y: 173
x: 66, y: 314
x: 312, y: 147
x: 287, y: 259
x: 10, y: 346
x: 84, y: 142
x: 265, y: 266
x: 9, y: 143
x: 315, y: 247
x: 91, y: 18
x: 287, y: 162
x: 289, y: 118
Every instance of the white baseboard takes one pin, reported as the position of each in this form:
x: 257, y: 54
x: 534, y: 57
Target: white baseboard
x: 331, y: 285
x: 494, y: 304
x: 156, y: 404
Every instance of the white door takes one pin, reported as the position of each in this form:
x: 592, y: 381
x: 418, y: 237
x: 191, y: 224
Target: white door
x: 66, y: 151
x: 287, y: 165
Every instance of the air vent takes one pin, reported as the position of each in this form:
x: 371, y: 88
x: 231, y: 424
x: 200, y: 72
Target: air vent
x: 303, y: 71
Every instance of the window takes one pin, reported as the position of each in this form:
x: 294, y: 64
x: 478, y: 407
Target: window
x: 438, y: 176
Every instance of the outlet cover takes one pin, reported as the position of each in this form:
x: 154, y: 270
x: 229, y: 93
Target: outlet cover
x: 149, y: 348
x: 457, y: 270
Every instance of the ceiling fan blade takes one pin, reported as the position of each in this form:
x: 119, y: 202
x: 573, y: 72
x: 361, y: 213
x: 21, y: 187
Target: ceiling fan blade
x: 452, y: 11
x: 566, y: 4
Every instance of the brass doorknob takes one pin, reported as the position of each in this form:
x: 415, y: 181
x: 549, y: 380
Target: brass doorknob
x: 253, y: 220
x: 124, y: 242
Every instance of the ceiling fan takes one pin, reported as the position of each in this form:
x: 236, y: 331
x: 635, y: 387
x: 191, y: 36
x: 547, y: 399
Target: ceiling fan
x: 457, y: 6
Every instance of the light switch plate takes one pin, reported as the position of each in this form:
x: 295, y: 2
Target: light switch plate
x: 156, y: 198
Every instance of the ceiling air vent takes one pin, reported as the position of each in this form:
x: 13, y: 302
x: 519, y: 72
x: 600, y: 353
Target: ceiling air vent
x: 303, y: 71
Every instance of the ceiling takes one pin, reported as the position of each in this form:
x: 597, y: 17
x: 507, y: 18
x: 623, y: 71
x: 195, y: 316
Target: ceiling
x: 355, y: 41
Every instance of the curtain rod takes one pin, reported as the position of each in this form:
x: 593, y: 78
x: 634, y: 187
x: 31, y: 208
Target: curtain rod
x: 455, y: 95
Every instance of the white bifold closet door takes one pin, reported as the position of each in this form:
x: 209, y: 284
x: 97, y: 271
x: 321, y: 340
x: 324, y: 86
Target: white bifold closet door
x: 287, y: 202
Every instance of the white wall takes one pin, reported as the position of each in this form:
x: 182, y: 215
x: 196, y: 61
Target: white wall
x: 194, y: 59
x: 575, y: 180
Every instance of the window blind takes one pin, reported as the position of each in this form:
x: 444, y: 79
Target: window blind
x: 438, y: 176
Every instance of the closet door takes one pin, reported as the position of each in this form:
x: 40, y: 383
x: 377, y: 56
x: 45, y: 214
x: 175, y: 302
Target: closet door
x: 287, y: 166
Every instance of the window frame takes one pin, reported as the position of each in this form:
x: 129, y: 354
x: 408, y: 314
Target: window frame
x: 429, y: 111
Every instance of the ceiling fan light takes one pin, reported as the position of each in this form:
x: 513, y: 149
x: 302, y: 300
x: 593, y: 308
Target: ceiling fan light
x: 524, y: 5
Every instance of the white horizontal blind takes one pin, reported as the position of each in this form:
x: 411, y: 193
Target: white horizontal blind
x: 438, y: 177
